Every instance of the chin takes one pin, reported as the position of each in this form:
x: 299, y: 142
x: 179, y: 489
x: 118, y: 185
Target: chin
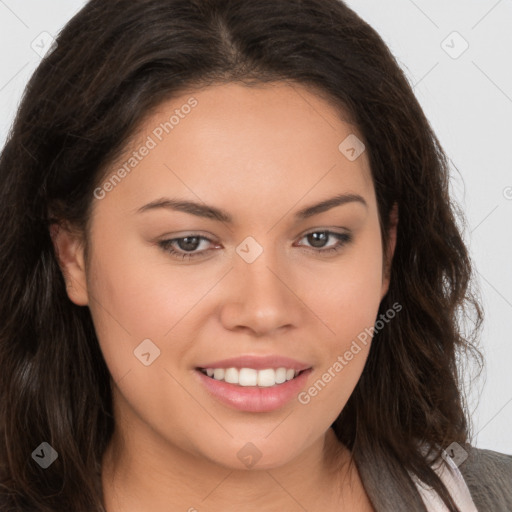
x: 257, y: 455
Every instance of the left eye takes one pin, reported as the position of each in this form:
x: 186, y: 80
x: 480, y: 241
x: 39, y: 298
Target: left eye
x: 187, y: 245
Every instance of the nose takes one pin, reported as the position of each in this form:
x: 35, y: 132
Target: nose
x: 263, y: 296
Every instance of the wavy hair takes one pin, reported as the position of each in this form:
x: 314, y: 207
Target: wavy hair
x: 112, y: 64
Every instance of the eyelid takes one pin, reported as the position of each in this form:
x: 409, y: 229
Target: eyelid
x: 334, y: 230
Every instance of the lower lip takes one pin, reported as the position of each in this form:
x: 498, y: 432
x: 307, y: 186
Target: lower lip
x: 252, y: 398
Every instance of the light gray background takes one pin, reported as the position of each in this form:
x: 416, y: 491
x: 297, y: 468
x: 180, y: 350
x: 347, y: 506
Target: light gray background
x: 466, y: 97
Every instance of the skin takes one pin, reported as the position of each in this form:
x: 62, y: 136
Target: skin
x: 261, y: 154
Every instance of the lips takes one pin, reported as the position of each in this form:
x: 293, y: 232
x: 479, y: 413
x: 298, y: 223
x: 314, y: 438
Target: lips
x: 253, y: 399
x: 264, y: 397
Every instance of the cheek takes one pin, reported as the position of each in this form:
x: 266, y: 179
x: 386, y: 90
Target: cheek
x: 137, y: 294
x: 350, y: 292
x: 348, y: 304
x: 128, y: 303
x: 137, y: 288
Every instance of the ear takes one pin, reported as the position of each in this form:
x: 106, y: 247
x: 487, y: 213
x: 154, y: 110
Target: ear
x: 68, y: 245
x: 390, y: 250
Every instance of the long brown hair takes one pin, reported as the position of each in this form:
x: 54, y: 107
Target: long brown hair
x: 114, y: 62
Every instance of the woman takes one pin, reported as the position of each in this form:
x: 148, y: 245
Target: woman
x: 231, y: 272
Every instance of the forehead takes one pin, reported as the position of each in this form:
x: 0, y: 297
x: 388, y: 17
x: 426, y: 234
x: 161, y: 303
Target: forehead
x: 249, y: 144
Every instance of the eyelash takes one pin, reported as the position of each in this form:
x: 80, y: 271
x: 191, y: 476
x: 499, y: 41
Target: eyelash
x: 166, y: 245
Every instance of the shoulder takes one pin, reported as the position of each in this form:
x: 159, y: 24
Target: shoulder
x: 488, y: 475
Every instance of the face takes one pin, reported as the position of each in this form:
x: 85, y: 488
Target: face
x: 174, y: 289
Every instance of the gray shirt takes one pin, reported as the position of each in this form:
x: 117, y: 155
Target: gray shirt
x: 488, y: 476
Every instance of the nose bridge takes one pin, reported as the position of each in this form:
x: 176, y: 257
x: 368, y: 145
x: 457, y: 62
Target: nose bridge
x: 263, y: 286
x: 259, y: 267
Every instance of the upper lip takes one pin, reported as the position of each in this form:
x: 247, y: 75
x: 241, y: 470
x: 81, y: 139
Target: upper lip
x: 258, y: 363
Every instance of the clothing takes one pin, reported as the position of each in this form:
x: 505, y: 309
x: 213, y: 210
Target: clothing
x: 486, y: 474
x: 454, y: 481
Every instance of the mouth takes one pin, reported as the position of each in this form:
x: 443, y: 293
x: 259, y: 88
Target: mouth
x: 252, y: 390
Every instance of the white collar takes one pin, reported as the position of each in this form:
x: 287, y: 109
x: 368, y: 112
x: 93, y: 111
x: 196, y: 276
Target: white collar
x: 449, y: 473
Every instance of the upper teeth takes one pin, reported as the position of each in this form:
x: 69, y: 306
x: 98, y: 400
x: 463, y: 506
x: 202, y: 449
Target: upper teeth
x: 252, y: 377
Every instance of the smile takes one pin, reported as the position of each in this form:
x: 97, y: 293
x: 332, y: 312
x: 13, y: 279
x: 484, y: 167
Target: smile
x: 267, y: 377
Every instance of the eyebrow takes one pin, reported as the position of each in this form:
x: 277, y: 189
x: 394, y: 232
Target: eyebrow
x: 212, y: 212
